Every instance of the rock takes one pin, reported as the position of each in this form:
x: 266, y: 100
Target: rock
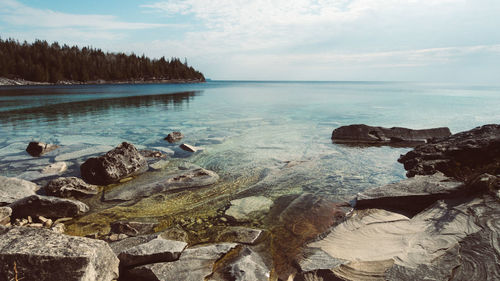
x: 152, y: 153
x: 412, y: 195
x: 40, y: 254
x: 70, y: 187
x: 461, y: 155
x: 58, y: 228
x: 13, y: 189
x: 159, y: 164
x: 133, y: 228
x: 55, y: 168
x: 183, y: 179
x: 188, y: 148
x: 195, y: 263
x: 36, y: 149
x: 122, y: 162
x: 5, y: 213
x: 242, y: 235
x: 242, y: 264
x: 174, y: 137
x: 155, y: 250
x: 47, y: 206
x: 312, y: 259
x: 244, y: 208
x: 165, y: 150
x: 364, y: 134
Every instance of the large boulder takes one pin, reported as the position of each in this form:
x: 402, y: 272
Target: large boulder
x: 13, y: 189
x: 461, y: 155
x: 121, y: 162
x: 70, y: 187
x: 47, y: 206
x: 363, y: 134
x: 36, y: 149
x: 39, y: 254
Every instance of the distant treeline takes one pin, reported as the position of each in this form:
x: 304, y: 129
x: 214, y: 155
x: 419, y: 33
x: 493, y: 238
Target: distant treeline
x: 43, y: 62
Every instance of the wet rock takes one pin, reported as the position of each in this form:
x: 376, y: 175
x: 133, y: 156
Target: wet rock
x: 188, y: 148
x: 5, y: 213
x: 461, y: 155
x: 243, y: 209
x: 195, y: 263
x: 36, y: 149
x: 411, y: 195
x: 70, y: 187
x: 47, y: 206
x: 364, y: 134
x: 40, y: 254
x: 55, y: 168
x: 13, y: 189
x: 152, y: 153
x: 174, y: 137
x: 182, y: 179
x: 165, y: 150
x: 159, y: 164
x: 237, y: 234
x: 133, y: 228
x: 122, y: 162
x: 242, y: 264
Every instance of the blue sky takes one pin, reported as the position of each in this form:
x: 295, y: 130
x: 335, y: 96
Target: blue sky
x: 409, y: 40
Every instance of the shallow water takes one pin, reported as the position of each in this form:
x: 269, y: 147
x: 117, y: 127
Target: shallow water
x: 262, y: 138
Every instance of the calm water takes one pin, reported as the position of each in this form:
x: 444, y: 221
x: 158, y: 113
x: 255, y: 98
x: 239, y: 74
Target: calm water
x: 248, y: 129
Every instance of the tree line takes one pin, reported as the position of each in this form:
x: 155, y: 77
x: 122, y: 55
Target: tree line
x: 44, y: 62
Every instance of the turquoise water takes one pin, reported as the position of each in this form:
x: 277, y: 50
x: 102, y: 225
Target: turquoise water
x: 276, y: 132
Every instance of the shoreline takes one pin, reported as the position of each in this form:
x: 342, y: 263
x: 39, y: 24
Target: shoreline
x: 6, y: 82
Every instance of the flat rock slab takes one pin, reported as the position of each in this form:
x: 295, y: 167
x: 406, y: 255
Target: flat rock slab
x: 40, y: 254
x: 70, y: 187
x: 315, y: 259
x: 194, y: 264
x: 153, y: 251
x: 181, y: 179
x: 13, y: 189
x: 189, y: 148
x: 242, y: 209
x: 55, y: 168
x: 47, y: 206
x: 242, y: 264
x: 364, y: 134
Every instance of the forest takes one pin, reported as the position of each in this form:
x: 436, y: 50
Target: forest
x: 43, y: 62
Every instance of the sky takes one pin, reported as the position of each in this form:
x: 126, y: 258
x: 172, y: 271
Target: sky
x: 325, y: 40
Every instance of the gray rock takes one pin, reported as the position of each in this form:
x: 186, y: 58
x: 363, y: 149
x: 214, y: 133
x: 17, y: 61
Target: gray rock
x: 194, y: 264
x: 189, y: 148
x: 13, y: 189
x: 312, y: 259
x: 242, y: 265
x: 243, y: 209
x: 238, y: 234
x: 39, y: 254
x: 70, y: 187
x: 461, y: 155
x: 47, y: 206
x: 55, y: 168
x: 364, y: 134
x: 152, y: 251
x: 192, y: 178
x: 121, y: 162
x: 174, y: 137
x: 36, y: 149
x: 152, y: 153
x: 133, y: 228
x: 5, y: 213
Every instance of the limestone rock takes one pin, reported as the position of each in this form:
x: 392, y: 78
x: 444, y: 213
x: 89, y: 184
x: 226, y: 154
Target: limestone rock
x: 36, y: 149
x: 174, y: 137
x: 133, y: 228
x: 70, y: 187
x: 242, y: 264
x: 39, y: 254
x: 461, y: 155
x: 122, y: 162
x: 47, y: 206
x: 242, y: 209
x: 181, y: 179
x: 5, y: 213
x: 55, y: 168
x: 13, y: 189
x: 364, y: 134
x: 239, y: 234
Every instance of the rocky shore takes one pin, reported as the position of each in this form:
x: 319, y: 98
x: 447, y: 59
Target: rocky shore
x: 21, y: 82
x: 442, y: 223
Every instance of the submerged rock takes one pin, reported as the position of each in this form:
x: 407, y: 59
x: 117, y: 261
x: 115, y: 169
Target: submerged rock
x: 70, y: 187
x: 55, y: 168
x: 47, y: 206
x: 174, y: 137
x: 122, y: 162
x: 461, y: 155
x: 364, y: 134
x: 238, y: 234
x: 13, y: 189
x: 36, y: 149
x: 243, y: 209
x: 133, y: 228
x: 152, y: 153
x: 242, y: 264
x: 39, y: 254
x: 190, y: 178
